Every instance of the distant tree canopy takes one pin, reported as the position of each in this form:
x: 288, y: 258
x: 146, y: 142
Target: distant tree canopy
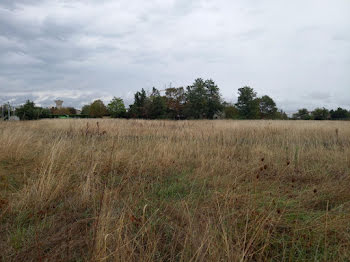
x: 85, y: 110
x: 302, y: 114
x: 97, y: 109
x: 201, y: 100
x: 138, y: 109
x: 267, y: 107
x: 29, y: 111
x: 156, y: 105
x: 230, y: 111
x: 339, y: 114
x: 116, y: 108
x: 320, y: 114
x: 247, y: 104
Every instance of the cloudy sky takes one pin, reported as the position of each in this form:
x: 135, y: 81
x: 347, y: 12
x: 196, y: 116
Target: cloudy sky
x: 298, y: 52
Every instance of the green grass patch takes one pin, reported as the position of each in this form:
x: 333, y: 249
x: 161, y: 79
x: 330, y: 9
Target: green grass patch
x: 179, y: 186
x: 24, y: 230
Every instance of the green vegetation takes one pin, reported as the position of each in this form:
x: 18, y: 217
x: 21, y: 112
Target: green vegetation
x: 201, y: 100
x: 29, y: 111
x: 116, y: 108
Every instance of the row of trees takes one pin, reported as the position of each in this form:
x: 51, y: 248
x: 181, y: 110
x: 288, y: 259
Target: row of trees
x: 322, y: 114
x: 201, y: 100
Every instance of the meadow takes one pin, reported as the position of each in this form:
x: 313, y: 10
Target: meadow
x: 138, y: 190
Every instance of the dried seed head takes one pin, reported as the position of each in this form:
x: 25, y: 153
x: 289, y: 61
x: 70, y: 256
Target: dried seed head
x: 265, y: 166
x: 315, y: 190
x: 278, y: 211
x: 262, y: 159
x: 288, y: 163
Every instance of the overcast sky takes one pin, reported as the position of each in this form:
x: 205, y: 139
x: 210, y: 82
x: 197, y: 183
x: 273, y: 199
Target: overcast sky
x: 298, y: 52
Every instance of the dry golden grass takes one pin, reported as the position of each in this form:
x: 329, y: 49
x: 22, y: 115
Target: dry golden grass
x: 135, y: 190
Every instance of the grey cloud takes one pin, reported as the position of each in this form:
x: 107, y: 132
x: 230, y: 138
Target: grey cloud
x: 12, y: 4
x: 319, y: 95
x: 293, y: 52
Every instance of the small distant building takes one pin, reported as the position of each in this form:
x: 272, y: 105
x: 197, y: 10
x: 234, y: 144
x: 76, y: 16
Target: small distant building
x: 78, y: 112
x: 58, y: 104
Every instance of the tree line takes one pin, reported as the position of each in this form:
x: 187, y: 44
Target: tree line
x: 201, y: 100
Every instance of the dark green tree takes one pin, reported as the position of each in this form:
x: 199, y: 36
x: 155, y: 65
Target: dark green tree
x: 214, y: 104
x: 302, y: 114
x: 247, y: 104
x: 320, y: 114
x: 156, y: 105
x: 339, y: 114
x: 97, y: 109
x: 230, y: 111
x: 85, y: 110
x: 45, y: 113
x: 28, y: 111
x: 196, y: 101
x: 138, y: 108
x: 267, y: 107
x: 203, y: 99
x: 116, y: 108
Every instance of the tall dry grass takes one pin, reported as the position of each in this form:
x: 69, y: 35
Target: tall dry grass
x: 135, y: 190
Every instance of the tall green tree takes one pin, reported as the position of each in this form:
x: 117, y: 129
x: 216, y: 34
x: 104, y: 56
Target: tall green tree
x: 97, y: 109
x: 267, y: 107
x: 196, y: 102
x: 214, y: 104
x: 116, y: 108
x: 247, y: 104
x: 156, y: 105
x: 138, y: 108
x: 203, y: 99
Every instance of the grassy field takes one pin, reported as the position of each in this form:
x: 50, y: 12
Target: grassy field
x: 136, y: 190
